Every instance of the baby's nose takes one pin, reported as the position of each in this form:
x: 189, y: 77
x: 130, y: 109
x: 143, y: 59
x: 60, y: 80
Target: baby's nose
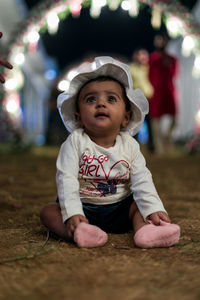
x: 101, y: 101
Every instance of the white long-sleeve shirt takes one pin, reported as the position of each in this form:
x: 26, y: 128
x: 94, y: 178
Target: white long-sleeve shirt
x: 87, y: 172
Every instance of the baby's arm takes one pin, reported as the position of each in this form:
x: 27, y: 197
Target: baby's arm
x: 72, y: 223
x: 157, y: 216
x: 67, y: 181
x: 144, y: 191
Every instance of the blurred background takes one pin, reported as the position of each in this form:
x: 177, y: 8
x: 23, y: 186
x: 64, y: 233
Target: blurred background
x: 45, y: 40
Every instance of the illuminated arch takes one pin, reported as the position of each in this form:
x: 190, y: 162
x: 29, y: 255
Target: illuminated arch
x: 46, y: 16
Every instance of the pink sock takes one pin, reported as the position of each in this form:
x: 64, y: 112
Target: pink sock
x: 89, y: 236
x: 152, y: 236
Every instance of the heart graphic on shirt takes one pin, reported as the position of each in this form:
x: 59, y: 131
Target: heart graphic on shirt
x: 123, y: 162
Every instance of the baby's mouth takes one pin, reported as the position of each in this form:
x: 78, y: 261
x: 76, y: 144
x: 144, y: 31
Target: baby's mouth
x: 101, y: 114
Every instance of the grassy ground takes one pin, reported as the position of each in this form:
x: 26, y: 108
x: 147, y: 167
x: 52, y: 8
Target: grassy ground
x: 33, y: 268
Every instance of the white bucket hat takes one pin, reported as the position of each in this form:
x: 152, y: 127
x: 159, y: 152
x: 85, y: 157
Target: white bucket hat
x: 103, y: 66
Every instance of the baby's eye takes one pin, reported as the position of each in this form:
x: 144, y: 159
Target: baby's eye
x: 112, y: 99
x: 91, y: 99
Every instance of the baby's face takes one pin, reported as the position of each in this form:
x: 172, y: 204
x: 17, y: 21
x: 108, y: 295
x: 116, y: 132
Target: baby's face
x: 102, y: 108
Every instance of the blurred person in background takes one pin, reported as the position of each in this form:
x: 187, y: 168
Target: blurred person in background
x: 139, y: 69
x: 162, y: 73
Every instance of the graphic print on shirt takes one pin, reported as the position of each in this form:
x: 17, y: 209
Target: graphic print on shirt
x: 101, y: 175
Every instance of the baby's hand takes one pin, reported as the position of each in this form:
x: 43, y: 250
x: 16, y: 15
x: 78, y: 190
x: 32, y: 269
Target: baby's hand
x: 73, y: 222
x: 157, y: 216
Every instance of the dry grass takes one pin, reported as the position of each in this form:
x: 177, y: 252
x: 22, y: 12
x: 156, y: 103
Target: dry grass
x: 33, y: 268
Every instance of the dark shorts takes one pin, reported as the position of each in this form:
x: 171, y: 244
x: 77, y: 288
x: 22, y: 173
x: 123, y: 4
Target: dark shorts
x: 112, y: 218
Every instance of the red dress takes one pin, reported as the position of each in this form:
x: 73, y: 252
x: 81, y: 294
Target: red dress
x: 162, y: 73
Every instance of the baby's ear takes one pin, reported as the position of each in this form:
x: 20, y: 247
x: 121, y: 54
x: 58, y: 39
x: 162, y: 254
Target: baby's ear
x: 127, y: 118
x: 78, y: 118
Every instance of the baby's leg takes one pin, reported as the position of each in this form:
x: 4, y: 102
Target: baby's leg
x: 136, y: 217
x: 51, y: 218
x: 85, y: 235
x: 150, y: 235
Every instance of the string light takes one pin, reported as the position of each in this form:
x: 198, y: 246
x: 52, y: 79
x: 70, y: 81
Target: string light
x: 50, y: 74
x: 33, y: 36
x: 95, y: 9
x: 75, y: 7
x: 12, y: 105
x: 63, y: 85
x: 156, y: 18
x: 114, y: 4
x: 197, y: 119
x: 17, y: 56
x: 11, y: 84
x: 196, y: 67
x: 19, y: 59
x: 14, y: 80
x: 188, y: 45
x: 126, y: 5
x: 134, y: 8
x: 52, y: 22
x: 198, y: 116
x: 197, y: 62
x: 174, y: 26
